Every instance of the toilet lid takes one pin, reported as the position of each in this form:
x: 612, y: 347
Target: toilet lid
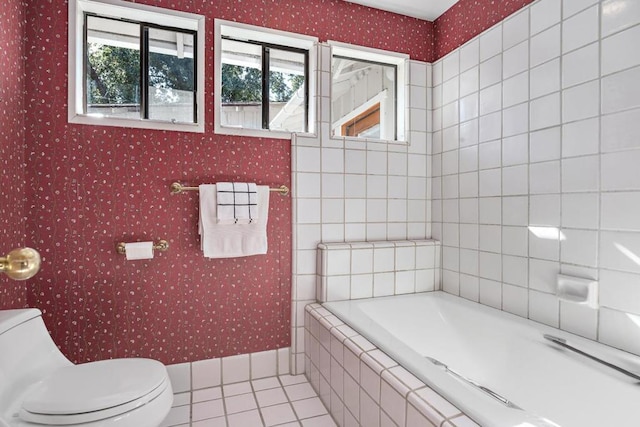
x: 83, y: 391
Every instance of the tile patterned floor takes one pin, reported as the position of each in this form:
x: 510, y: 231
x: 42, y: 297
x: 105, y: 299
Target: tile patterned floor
x: 285, y: 401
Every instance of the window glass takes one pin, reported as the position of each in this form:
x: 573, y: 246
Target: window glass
x: 112, y: 68
x: 241, y: 84
x: 263, y: 86
x: 287, y: 98
x: 171, y: 81
x: 363, y: 98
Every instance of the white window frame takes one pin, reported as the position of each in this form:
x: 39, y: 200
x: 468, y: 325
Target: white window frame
x: 266, y: 35
x: 399, y: 60
x: 140, y: 13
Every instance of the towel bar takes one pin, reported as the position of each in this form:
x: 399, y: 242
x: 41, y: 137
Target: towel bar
x: 177, y: 188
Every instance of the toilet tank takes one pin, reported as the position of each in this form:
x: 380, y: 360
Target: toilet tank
x: 27, y: 354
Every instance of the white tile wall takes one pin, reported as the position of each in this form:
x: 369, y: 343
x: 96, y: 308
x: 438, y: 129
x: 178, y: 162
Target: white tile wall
x: 366, y: 269
x: 209, y: 373
x: 547, y: 176
x: 362, y: 190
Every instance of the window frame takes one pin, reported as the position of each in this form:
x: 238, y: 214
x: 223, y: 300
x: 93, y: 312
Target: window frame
x: 145, y: 16
x: 382, y: 57
x: 276, y: 39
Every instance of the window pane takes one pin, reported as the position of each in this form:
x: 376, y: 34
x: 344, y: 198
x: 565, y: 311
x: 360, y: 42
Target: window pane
x: 363, y: 99
x: 113, y: 68
x: 171, y: 76
x: 287, y: 103
x: 241, y: 85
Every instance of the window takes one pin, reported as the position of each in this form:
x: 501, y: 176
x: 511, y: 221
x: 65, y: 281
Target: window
x: 136, y: 66
x: 263, y: 81
x: 367, y: 93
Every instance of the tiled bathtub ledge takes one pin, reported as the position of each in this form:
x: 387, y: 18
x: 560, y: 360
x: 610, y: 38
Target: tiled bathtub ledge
x: 362, y: 386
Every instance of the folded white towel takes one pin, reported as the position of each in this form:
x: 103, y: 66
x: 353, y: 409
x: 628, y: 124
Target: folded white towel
x: 237, y: 202
x: 231, y: 240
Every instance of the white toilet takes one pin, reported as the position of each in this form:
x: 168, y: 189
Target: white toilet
x: 39, y: 386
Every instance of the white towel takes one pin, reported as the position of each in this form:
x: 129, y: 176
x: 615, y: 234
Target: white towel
x: 237, y: 202
x: 231, y: 240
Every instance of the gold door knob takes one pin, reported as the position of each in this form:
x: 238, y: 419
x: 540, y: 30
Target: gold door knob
x: 21, y: 264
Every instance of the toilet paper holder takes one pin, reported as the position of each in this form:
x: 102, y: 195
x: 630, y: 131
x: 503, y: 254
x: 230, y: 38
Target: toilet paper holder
x: 160, y: 245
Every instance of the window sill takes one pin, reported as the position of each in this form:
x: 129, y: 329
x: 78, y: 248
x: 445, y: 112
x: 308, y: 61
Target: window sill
x: 83, y: 119
x: 258, y: 133
x: 375, y: 140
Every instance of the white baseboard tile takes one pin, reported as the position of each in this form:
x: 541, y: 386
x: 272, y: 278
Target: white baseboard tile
x: 208, y: 373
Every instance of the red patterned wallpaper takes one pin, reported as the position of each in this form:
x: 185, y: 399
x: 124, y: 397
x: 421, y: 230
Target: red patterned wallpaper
x: 12, y: 228
x: 468, y: 18
x: 90, y: 187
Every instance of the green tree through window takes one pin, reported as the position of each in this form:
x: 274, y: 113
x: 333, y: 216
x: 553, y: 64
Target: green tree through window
x: 113, y: 75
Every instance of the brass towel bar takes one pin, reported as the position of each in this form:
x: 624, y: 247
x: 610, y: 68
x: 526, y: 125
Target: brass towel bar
x: 177, y: 188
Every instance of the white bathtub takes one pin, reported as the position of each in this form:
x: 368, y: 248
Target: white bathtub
x: 550, y: 385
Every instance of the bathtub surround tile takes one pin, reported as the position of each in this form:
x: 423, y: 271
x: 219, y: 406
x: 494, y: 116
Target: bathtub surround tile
x: 618, y: 52
x: 581, y: 65
x: 544, y: 308
x: 545, y: 46
x: 620, y: 291
x: 545, y: 112
x: 581, y: 102
x: 362, y: 270
x: 580, y: 320
x: 393, y: 404
x: 619, y: 91
x: 581, y: 138
x: 547, y: 176
x: 544, y: 14
x: 619, y: 329
x: 545, y: 79
x: 615, y: 18
x: 580, y: 29
x: 385, y: 395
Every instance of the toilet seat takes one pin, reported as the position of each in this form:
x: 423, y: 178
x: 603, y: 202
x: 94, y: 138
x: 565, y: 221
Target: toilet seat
x: 94, y: 391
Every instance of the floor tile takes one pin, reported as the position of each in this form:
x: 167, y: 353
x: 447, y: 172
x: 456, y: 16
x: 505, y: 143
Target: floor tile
x: 278, y: 414
x: 284, y: 401
x: 322, y: 421
x: 207, y: 394
x: 292, y: 379
x: 265, y: 383
x: 211, y: 422
x: 271, y: 397
x: 235, y: 389
x: 208, y: 409
x: 309, y: 408
x: 240, y: 403
x: 245, y: 419
x: 299, y: 391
